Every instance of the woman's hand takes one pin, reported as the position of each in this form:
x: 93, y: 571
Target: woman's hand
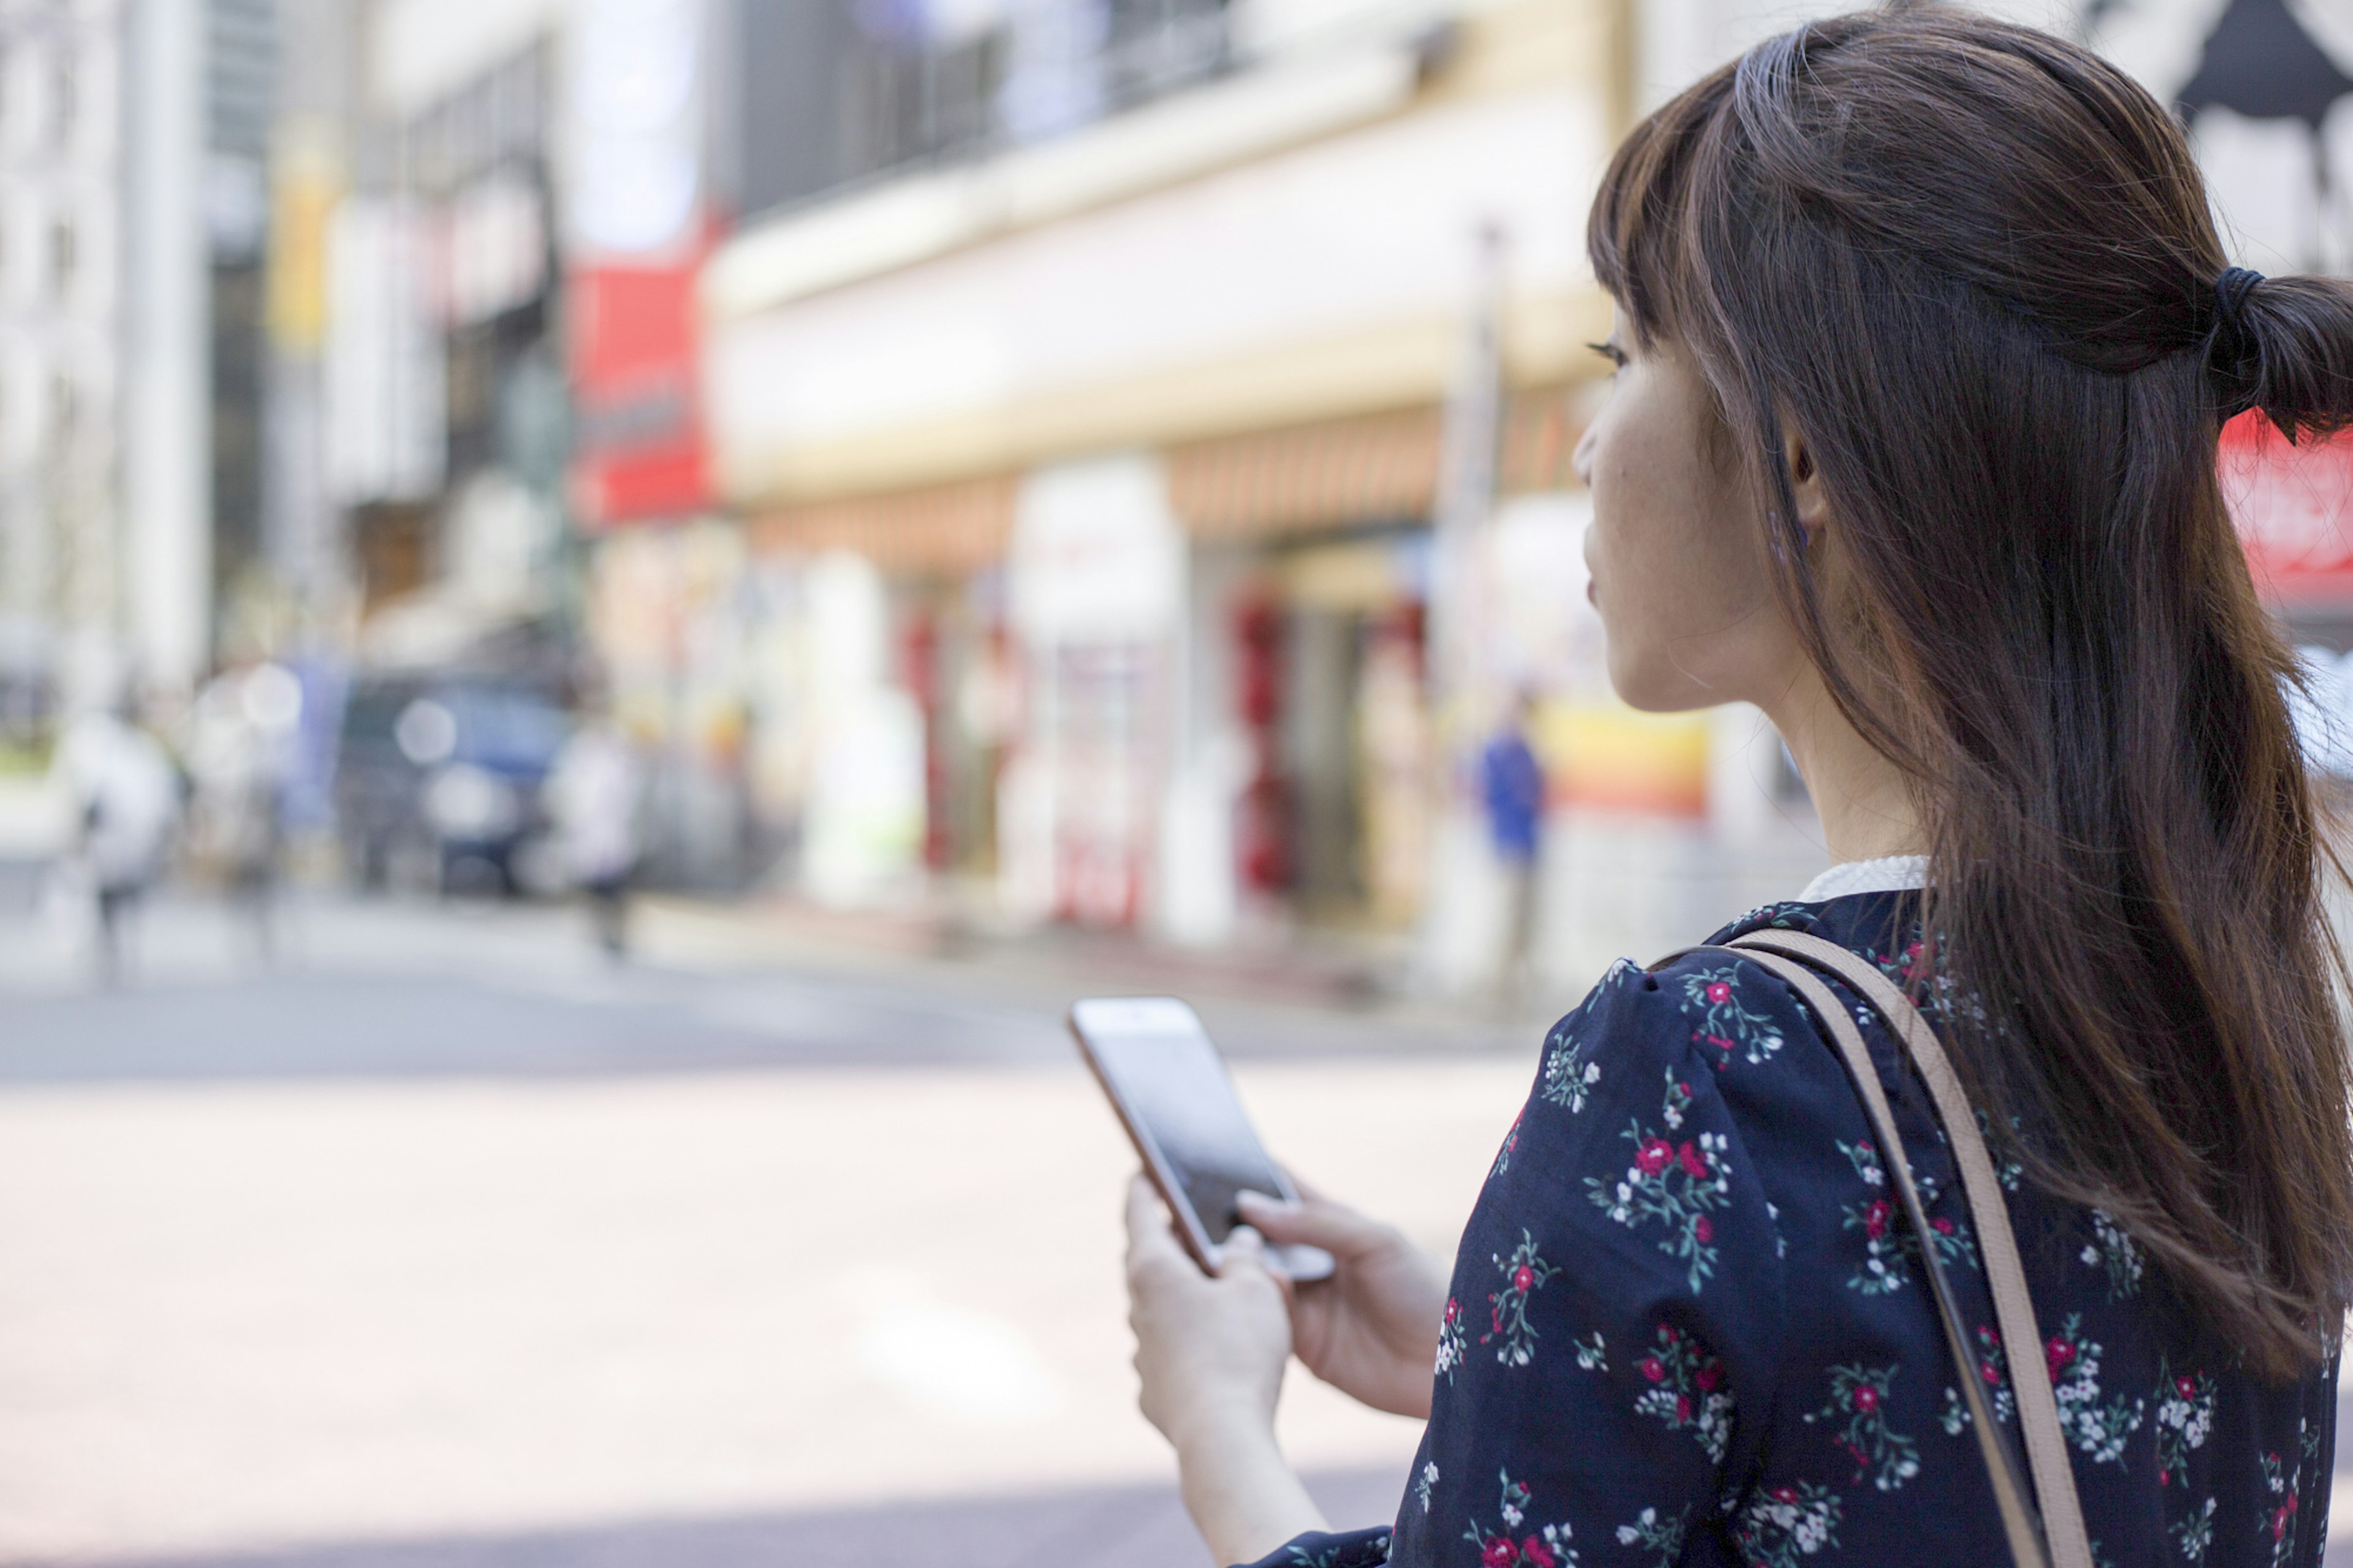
x: 1371, y: 1330
x: 1211, y: 1355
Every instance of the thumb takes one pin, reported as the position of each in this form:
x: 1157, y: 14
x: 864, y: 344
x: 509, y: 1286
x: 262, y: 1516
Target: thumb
x: 1243, y: 1252
x: 1319, y: 1222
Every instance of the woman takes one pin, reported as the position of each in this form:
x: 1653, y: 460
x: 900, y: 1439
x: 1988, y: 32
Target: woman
x: 1924, y: 337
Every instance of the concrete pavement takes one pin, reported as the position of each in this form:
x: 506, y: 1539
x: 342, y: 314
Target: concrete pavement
x: 440, y: 1243
x: 445, y: 1243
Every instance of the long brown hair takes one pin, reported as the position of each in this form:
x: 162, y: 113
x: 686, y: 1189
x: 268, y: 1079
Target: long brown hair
x: 1972, y: 266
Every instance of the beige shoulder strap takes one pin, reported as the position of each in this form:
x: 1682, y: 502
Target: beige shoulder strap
x: 2052, y: 1536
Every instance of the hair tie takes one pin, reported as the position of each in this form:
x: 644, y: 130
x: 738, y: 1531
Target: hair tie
x: 2233, y: 356
x: 2230, y: 292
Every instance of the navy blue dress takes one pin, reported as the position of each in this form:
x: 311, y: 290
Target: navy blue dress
x: 1687, y: 1323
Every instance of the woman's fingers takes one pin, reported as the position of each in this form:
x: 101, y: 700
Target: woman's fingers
x: 1152, y: 1246
x: 1319, y: 1222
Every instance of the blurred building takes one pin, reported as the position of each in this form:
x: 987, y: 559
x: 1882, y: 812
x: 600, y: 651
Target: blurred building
x: 1101, y: 461
x: 1089, y: 382
x: 103, y: 539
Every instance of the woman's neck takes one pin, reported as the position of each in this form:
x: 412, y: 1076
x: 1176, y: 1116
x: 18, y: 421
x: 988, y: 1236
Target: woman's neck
x: 1863, y: 800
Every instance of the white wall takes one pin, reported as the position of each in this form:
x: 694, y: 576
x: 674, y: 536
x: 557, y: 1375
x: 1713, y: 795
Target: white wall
x: 166, y: 487
x: 1358, y: 231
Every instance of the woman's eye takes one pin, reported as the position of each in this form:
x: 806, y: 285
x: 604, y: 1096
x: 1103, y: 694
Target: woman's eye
x: 1612, y: 352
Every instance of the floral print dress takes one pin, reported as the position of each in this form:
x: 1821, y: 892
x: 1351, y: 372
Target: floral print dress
x: 1688, y: 1325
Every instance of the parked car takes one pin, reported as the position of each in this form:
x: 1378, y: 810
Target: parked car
x: 442, y: 773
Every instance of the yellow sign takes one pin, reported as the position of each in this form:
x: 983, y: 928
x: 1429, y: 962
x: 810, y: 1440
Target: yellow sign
x: 306, y: 180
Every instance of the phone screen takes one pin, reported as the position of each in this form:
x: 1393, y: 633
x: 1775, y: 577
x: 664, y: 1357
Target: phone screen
x: 1160, y: 1063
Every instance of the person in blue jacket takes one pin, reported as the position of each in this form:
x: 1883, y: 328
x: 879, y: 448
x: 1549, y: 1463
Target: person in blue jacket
x: 1924, y: 338
x: 1512, y: 788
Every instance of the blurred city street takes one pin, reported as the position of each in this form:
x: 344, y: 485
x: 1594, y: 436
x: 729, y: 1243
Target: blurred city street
x: 940, y: 507
x: 445, y: 1241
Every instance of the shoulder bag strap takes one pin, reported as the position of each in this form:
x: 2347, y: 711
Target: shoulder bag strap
x: 2061, y: 1513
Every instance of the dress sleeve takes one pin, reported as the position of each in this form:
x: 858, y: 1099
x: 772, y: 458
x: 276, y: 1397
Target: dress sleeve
x: 1617, y: 1302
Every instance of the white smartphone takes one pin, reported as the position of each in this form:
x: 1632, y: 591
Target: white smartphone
x: 1176, y: 1100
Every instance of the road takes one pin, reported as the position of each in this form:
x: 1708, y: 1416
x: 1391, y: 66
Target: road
x: 434, y: 1241
x: 437, y: 1240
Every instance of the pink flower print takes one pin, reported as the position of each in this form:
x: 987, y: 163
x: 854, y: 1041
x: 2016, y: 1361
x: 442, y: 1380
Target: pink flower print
x: 2281, y: 1515
x: 2061, y: 1355
x: 1941, y: 1226
x: 1524, y: 1272
x: 1499, y: 1552
x: 1703, y: 1230
x: 2188, y: 1389
x: 1991, y: 1372
x: 1719, y: 993
x: 1670, y: 1185
x: 1785, y: 1494
x: 1535, y: 1550
x: 1874, y: 1218
x: 1688, y: 1391
x: 1856, y: 1414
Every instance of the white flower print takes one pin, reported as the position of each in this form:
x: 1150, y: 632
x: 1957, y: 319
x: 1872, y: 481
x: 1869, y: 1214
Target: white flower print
x: 1687, y: 1389
x: 2185, y: 1415
x: 2098, y: 1428
x: 1568, y: 1078
x: 1780, y: 1526
x: 1424, y: 1481
x: 1547, y: 1547
x: 1594, y: 1357
x: 1651, y: 1533
x: 1888, y: 1245
x: 2196, y: 1533
x: 1674, y: 1185
x: 2112, y: 1249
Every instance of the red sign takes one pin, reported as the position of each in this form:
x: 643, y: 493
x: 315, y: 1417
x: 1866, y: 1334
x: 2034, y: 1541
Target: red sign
x: 2294, y: 507
x: 637, y: 446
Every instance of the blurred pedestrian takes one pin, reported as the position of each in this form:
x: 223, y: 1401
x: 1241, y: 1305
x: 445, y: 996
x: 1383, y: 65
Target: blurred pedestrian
x: 1512, y: 785
x: 237, y: 752
x: 126, y: 801
x: 594, y: 793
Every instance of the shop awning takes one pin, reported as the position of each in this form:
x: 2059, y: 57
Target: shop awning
x: 944, y: 531
x: 1307, y: 478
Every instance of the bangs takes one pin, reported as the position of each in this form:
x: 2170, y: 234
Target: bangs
x: 1638, y: 236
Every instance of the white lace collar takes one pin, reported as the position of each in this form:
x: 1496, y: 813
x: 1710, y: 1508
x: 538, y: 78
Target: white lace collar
x: 1888, y: 874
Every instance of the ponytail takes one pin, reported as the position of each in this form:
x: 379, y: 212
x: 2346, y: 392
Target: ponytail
x: 2284, y: 346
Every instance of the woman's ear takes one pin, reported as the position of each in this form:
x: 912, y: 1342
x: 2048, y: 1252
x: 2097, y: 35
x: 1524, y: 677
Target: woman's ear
x: 1805, y: 485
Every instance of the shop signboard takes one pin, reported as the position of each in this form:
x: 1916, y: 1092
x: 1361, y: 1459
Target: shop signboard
x: 637, y: 226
